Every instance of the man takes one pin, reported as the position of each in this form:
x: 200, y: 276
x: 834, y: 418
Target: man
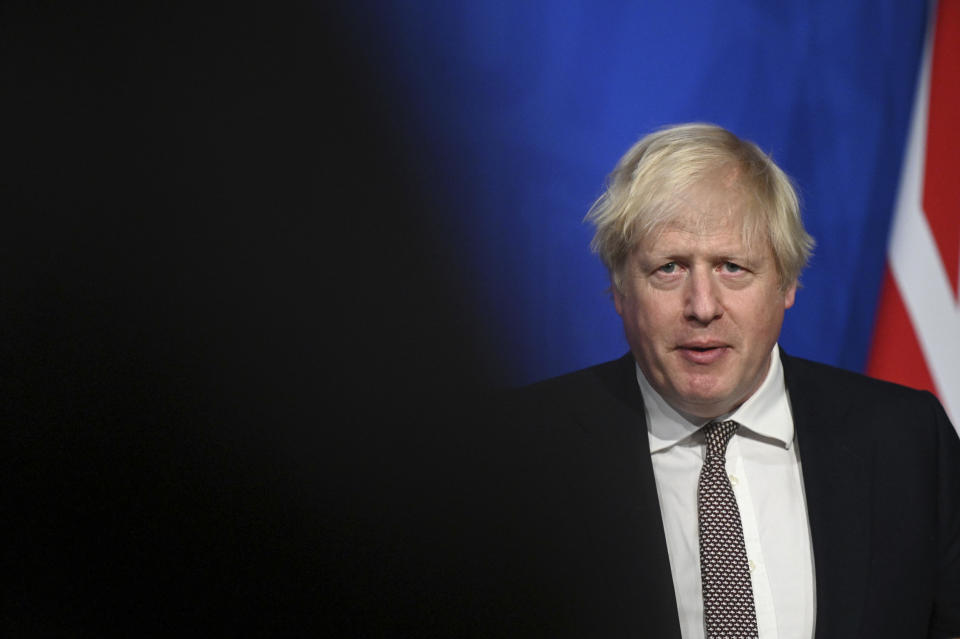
x: 828, y: 504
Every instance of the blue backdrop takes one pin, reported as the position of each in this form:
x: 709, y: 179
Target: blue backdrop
x: 518, y: 110
x: 251, y: 249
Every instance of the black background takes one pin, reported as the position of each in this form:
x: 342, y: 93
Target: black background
x: 235, y: 348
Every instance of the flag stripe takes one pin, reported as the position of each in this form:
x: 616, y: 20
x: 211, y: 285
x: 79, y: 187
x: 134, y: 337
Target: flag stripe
x: 941, y: 193
x: 900, y: 359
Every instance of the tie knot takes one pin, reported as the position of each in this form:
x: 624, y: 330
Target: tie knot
x: 718, y: 435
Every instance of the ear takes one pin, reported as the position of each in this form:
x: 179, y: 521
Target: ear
x: 618, y: 299
x: 789, y: 295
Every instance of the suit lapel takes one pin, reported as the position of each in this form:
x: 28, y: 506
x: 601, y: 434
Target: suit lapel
x: 621, y: 477
x: 833, y: 456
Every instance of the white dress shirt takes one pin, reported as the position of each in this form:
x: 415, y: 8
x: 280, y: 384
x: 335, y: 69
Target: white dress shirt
x: 764, y: 468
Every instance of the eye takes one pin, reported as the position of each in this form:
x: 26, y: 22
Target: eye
x: 668, y: 268
x: 730, y: 267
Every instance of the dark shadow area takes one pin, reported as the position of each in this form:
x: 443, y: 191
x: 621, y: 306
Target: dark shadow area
x: 235, y: 360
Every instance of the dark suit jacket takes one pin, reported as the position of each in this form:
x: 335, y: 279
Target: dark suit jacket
x: 576, y: 545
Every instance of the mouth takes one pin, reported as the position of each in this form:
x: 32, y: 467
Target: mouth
x: 703, y: 352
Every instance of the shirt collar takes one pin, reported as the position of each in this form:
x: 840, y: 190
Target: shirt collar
x: 766, y: 413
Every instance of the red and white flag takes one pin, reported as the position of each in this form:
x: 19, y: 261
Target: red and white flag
x: 917, y: 336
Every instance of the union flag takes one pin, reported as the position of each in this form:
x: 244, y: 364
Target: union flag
x: 917, y: 334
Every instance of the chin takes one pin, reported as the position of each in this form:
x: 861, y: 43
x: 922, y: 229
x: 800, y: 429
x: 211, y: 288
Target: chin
x: 704, y: 389
x: 705, y: 404
x: 704, y: 407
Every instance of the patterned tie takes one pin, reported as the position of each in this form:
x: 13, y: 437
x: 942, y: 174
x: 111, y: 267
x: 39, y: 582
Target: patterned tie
x: 728, y: 609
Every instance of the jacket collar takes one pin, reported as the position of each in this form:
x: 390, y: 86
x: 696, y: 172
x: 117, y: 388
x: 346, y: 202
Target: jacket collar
x: 833, y: 460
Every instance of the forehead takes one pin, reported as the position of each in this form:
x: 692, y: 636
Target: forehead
x: 715, y: 213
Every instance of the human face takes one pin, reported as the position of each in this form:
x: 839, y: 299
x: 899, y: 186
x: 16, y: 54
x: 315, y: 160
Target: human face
x: 701, y: 310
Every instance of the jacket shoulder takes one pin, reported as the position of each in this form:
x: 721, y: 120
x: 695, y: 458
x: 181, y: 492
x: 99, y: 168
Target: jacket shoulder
x: 604, y: 391
x: 579, y: 378
x: 841, y: 387
x: 609, y: 380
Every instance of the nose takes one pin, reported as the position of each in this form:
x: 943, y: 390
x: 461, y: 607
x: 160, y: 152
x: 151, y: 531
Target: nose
x: 702, y: 302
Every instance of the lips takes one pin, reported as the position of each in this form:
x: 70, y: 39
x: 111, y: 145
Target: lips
x: 703, y: 353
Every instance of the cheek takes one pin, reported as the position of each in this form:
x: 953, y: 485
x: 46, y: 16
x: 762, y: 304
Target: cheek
x: 648, y: 320
x: 768, y: 317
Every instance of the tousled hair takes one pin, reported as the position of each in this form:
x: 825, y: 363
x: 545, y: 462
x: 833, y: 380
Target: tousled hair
x: 646, y: 188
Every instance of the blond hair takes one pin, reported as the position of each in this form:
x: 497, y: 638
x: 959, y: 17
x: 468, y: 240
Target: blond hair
x: 650, y: 180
